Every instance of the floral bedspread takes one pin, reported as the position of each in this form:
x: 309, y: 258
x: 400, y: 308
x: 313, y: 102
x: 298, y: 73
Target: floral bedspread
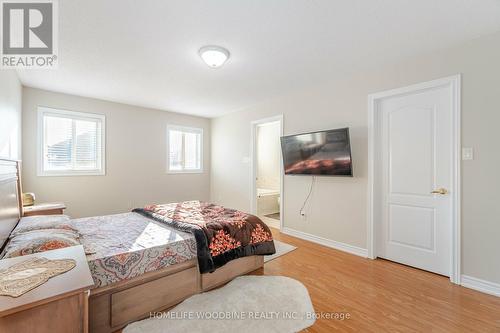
x: 124, y: 246
x: 221, y: 234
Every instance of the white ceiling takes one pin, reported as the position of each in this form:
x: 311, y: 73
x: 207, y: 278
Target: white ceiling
x: 145, y: 52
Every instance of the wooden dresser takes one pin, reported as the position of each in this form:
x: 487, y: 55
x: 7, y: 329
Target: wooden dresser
x: 60, y: 305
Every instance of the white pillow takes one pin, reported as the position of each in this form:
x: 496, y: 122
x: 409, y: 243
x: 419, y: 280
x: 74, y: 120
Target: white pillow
x: 39, y: 241
x: 38, y: 222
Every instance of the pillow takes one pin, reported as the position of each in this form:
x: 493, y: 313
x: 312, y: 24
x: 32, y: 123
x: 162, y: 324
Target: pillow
x: 38, y: 222
x: 39, y: 241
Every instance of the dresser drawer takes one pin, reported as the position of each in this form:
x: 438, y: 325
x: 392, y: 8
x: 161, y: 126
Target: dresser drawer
x: 152, y: 296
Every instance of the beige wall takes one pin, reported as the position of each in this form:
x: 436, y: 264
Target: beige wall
x: 10, y: 115
x: 338, y: 205
x: 268, y: 156
x: 135, y: 158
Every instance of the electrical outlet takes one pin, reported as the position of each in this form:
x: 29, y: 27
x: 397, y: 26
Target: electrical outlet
x: 467, y: 154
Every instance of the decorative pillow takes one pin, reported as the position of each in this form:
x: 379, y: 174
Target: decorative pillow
x: 39, y: 241
x: 39, y: 222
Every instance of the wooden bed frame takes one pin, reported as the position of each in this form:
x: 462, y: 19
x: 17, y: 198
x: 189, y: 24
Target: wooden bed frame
x: 114, y: 306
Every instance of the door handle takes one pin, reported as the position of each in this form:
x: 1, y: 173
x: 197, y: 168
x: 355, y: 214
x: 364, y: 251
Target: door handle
x: 441, y: 191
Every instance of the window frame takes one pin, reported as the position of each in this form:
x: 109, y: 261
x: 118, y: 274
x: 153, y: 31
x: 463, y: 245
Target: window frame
x: 196, y: 130
x: 45, y: 110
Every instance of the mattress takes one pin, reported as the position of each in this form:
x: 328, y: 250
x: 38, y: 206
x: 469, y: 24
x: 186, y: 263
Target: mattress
x: 124, y: 246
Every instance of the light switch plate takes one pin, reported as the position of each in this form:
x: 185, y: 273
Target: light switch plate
x: 467, y: 154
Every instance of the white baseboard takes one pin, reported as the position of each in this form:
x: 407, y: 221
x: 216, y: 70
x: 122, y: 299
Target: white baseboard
x: 326, y: 242
x: 481, y: 285
x: 466, y: 281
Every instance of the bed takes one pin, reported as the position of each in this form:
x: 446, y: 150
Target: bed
x: 147, y: 266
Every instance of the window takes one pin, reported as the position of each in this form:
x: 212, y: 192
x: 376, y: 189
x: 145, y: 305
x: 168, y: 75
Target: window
x: 185, y: 149
x: 70, y: 143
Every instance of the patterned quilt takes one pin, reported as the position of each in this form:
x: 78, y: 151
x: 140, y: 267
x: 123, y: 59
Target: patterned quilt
x: 221, y: 234
x: 124, y: 246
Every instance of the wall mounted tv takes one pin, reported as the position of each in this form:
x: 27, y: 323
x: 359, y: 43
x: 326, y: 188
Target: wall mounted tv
x: 325, y: 153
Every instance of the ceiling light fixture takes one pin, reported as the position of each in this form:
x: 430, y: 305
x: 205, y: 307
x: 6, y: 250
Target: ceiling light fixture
x: 214, y: 56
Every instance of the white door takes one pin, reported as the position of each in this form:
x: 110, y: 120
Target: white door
x: 416, y: 178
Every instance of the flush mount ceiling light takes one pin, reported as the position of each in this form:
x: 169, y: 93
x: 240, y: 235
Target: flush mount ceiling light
x: 214, y: 56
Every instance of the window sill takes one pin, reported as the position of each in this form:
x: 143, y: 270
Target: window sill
x: 70, y: 173
x: 175, y: 172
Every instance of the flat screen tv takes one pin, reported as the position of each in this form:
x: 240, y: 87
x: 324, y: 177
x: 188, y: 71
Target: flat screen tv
x: 325, y: 153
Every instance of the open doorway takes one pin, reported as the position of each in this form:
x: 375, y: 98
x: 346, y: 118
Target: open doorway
x: 267, y: 171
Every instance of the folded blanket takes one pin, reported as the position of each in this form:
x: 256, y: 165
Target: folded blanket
x: 221, y: 234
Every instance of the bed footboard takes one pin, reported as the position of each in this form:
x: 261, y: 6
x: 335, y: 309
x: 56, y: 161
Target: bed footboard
x: 113, y: 307
x: 231, y: 270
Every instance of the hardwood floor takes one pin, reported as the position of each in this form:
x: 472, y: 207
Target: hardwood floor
x: 382, y: 296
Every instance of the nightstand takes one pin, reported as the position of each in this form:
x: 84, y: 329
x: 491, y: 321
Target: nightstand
x: 59, y: 305
x: 52, y: 208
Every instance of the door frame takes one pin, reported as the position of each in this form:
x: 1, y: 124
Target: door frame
x: 253, y: 164
x: 373, y: 164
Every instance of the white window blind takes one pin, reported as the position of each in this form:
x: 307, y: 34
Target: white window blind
x: 185, y: 147
x: 72, y: 143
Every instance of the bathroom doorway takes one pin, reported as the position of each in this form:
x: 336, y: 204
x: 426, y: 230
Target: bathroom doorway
x: 267, y: 170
